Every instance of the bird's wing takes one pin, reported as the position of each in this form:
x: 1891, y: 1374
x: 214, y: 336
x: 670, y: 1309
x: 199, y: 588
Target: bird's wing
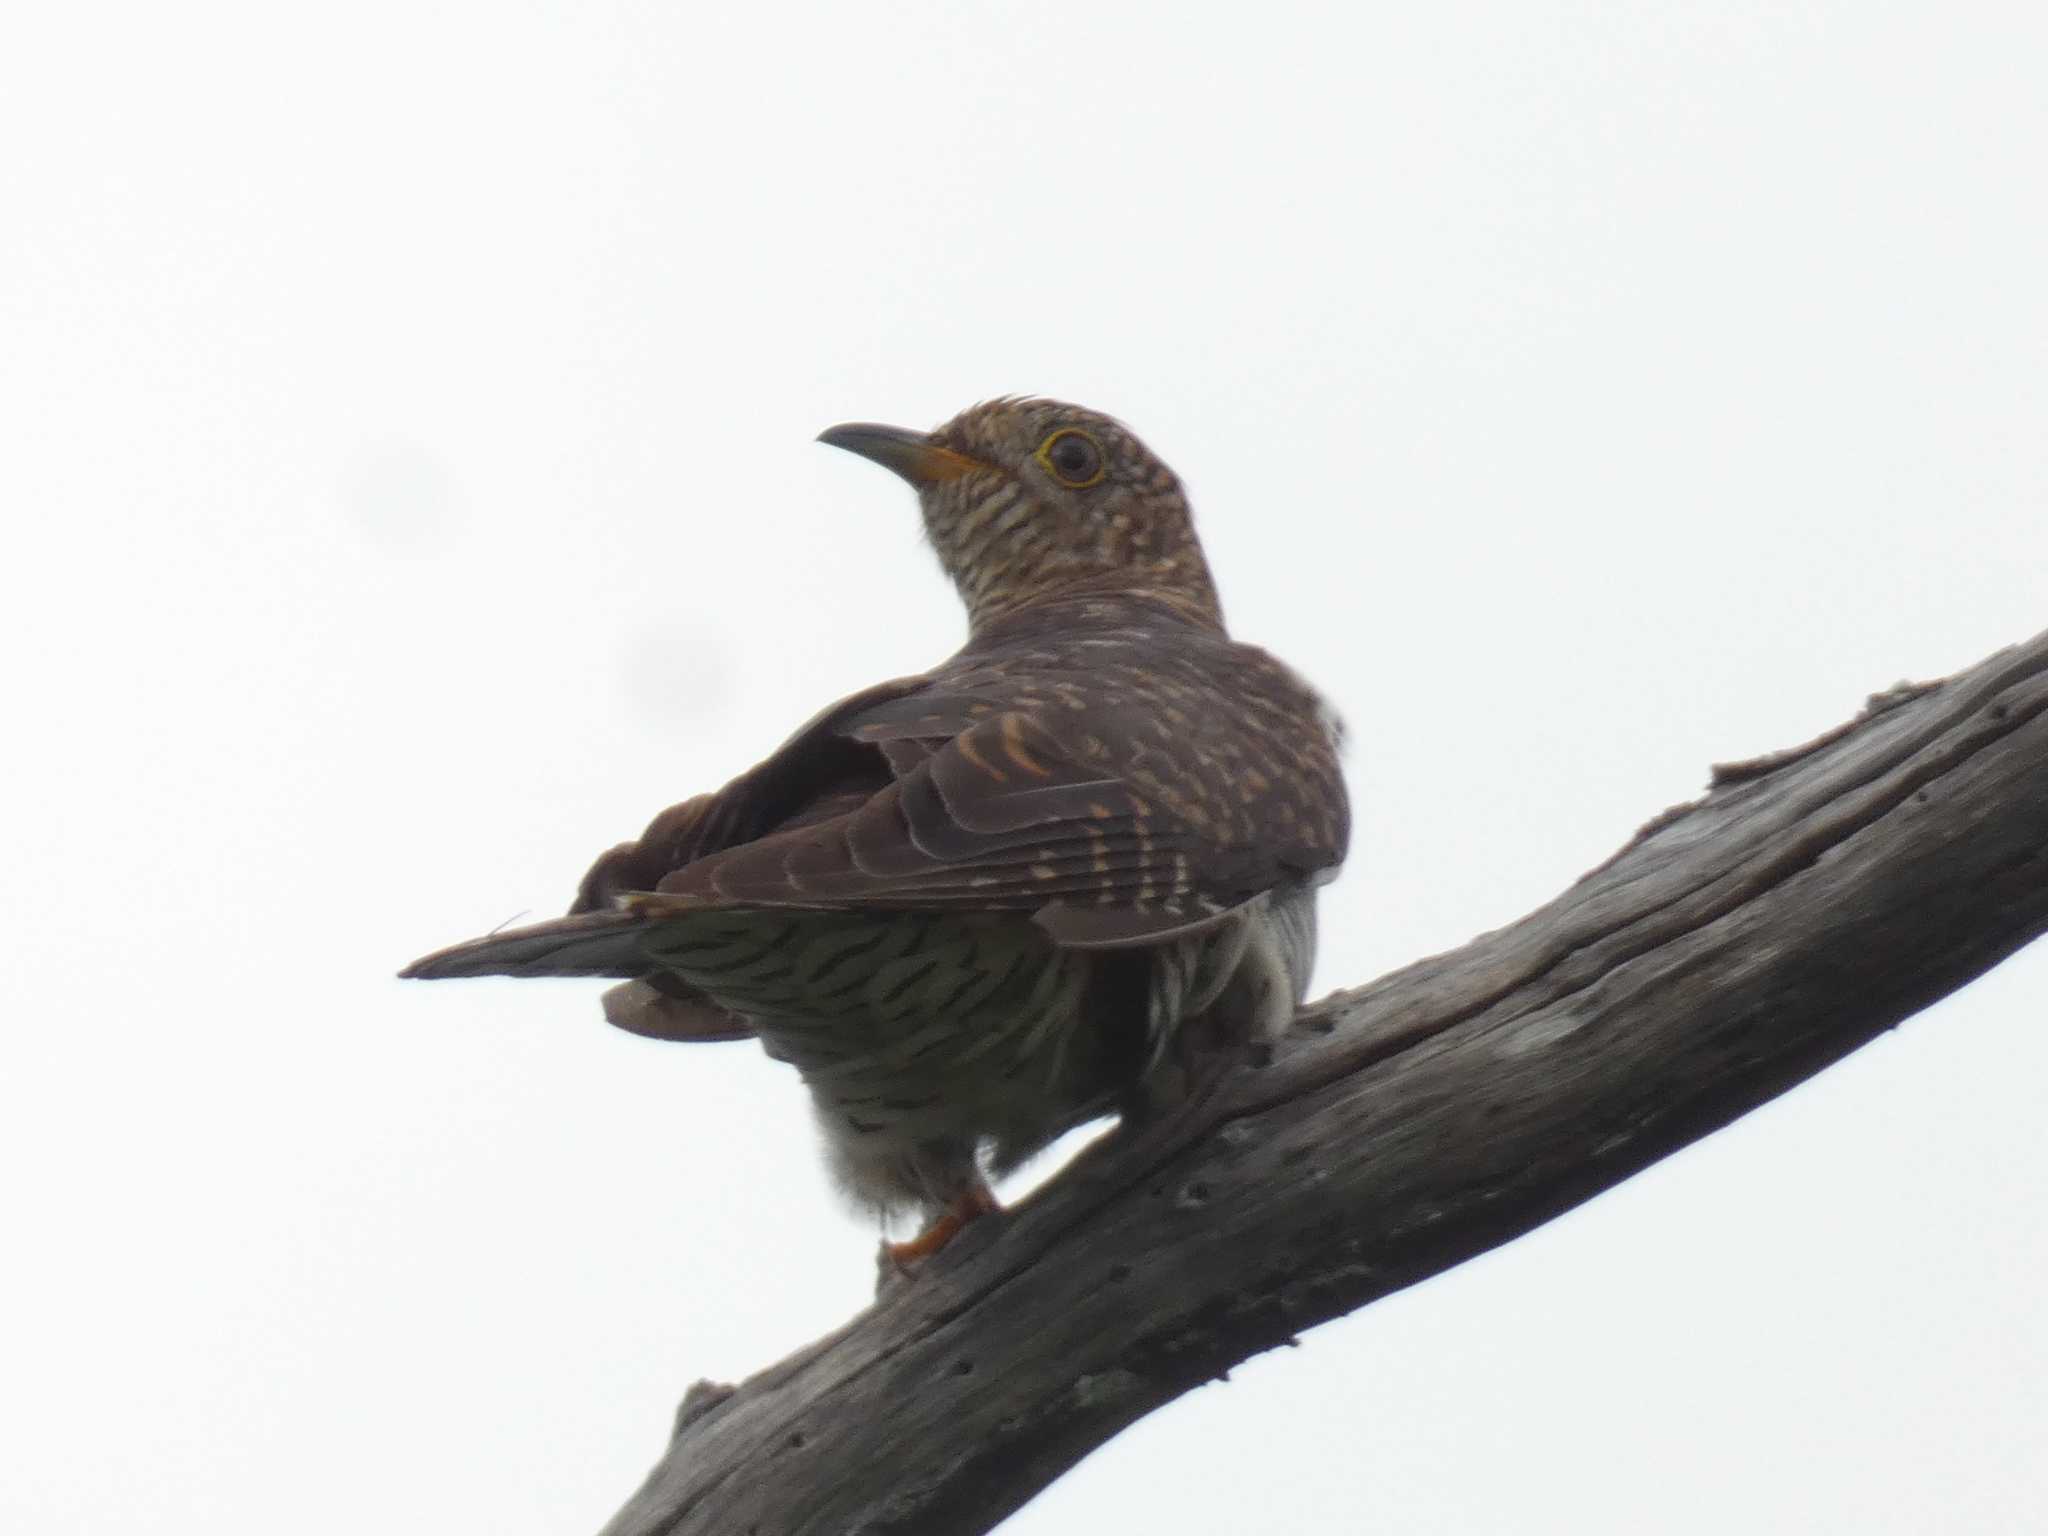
x: 820, y: 772
x: 1110, y: 830
x: 990, y: 811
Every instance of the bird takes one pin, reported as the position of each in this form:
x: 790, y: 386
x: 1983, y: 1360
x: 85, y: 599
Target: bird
x: 1070, y: 872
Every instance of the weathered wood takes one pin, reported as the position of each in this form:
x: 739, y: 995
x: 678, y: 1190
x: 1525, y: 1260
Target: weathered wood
x: 1738, y: 945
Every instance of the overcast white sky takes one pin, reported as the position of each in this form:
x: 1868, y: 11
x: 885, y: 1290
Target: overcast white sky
x: 407, y: 472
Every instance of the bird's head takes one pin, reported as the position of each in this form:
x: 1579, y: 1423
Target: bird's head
x: 1027, y: 499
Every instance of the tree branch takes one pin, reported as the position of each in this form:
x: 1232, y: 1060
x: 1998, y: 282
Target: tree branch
x: 1735, y: 947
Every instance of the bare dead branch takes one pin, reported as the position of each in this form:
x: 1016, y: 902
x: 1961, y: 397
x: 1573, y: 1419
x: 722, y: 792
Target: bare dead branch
x: 1737, y: 946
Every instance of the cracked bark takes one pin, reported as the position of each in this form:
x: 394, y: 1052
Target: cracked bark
x: 1810, y: 901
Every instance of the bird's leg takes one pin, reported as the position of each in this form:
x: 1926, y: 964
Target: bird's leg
x: 977, y: 1199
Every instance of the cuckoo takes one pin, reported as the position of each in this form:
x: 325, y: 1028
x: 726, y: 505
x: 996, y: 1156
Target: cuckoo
x: 1059, y: 876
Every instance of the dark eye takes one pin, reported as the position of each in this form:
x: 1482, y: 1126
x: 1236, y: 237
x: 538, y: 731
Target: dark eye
x: 1073, y: 456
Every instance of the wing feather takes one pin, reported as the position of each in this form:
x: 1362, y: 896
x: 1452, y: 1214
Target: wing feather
x: 1116, y: 805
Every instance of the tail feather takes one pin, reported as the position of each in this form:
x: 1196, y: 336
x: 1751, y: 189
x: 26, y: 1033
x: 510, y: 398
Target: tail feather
x: 664, y: 1009
x: 589, y: 944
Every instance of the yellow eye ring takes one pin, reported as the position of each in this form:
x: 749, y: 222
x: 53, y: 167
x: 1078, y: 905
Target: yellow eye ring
x: 1073, y: 458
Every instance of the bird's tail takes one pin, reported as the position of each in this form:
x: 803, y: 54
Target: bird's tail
x: 588, y: 944
x: 647, y: 1002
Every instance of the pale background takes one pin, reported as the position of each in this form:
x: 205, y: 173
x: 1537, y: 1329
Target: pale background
x: 405, y: 421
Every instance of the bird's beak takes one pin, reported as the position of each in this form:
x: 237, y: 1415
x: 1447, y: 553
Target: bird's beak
x: 913, y: 455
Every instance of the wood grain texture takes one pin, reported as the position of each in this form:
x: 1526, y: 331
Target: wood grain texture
x: 1738, y: 945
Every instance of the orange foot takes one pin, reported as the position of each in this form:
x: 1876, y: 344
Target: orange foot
x: 975, y: 1200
